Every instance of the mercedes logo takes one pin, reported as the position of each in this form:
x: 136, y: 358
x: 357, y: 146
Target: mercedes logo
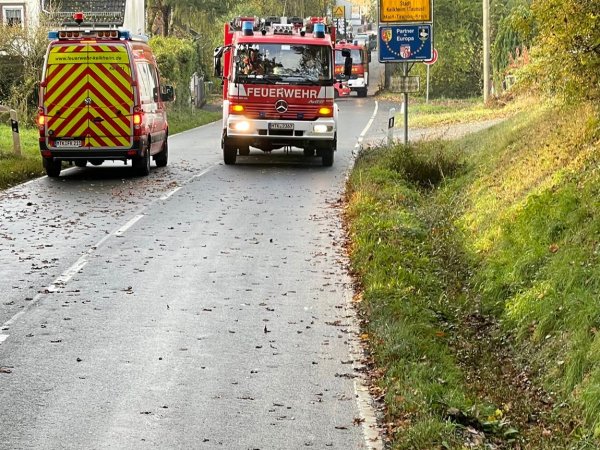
x: 281, y: 106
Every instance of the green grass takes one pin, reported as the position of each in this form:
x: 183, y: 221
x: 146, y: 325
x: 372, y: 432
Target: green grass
x: 17, y: 169
x: 182, y: 120
x: 444, y: 112
x: 478, y: 261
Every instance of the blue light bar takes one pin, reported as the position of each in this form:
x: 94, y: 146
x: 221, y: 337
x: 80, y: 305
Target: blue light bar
x: 319, y: 30
x: 247, y: 28
x: 52, y: 34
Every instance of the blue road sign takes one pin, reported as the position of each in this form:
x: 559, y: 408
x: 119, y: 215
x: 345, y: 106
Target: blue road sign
x: 405, y: 43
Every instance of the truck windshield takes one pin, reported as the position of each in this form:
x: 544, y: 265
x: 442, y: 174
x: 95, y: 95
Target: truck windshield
x: 284, y: 63
x: 355, y: 54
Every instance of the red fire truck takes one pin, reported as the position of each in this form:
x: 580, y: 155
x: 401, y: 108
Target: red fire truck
x: 278, y: 86
x: 361, y: 57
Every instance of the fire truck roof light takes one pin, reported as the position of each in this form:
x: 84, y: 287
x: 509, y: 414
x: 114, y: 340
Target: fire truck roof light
x: 52, y: 34
x: 319, y: 30
x: 248, y: 28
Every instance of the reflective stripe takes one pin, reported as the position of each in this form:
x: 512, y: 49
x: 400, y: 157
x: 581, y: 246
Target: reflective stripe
x: 89, y: 94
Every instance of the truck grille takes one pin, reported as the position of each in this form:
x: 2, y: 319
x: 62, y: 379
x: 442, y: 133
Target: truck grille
x: 294, y: 112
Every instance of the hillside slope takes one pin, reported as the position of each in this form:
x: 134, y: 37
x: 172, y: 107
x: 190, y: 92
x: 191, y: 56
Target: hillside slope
x: 478, y: 263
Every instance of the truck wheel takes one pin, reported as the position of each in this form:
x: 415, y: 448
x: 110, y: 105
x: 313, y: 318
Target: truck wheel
x: 327, y: 157
x: 162, y: 158
x: 309, y: 151
x: 362, y: 92
x: 229, y: 152
x: 327, y: 153
x: 81, y: 162
x: 52, y: 167
x: 141, y: 165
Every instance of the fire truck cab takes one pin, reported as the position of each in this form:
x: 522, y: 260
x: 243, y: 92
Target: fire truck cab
x: 101, y: 99
x: 361, y: 57
x: 278, y: 86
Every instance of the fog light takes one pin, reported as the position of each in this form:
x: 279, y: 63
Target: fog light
x: 241, y: 126
x: 320, y: 128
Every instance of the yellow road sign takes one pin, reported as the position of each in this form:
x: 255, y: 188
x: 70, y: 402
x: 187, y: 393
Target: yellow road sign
x: 404, y: 11
x: 339, y: 12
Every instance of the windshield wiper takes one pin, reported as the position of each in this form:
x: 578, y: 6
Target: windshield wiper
x: 255, y: 80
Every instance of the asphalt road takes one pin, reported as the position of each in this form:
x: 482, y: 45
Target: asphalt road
x: 205, y: 306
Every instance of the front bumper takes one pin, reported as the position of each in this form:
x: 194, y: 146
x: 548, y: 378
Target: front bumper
x: 357, y: 83
x: 320, y: 129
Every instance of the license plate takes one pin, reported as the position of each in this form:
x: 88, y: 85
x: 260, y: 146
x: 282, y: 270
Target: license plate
x: 281, y: 126
x: 68, y: 143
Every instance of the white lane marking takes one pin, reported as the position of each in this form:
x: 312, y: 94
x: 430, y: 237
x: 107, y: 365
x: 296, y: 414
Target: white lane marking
x: 369, y: 123
x: 364, y: 401
x: 68, y: 274
x: 128, y: 225
x: 204, y: 172
x: 168, y: 194
x: 70, y: 169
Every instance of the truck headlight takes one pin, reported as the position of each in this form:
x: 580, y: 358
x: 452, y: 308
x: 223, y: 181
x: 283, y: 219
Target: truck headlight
x: 241, y: 126
x: 320, y: 128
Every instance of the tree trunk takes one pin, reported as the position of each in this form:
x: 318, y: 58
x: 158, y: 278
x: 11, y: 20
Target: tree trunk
x: 166, y: 19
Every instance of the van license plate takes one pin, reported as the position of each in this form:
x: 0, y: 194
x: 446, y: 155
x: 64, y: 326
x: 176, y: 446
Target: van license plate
x: 281, y: 126
x: 69, y: 143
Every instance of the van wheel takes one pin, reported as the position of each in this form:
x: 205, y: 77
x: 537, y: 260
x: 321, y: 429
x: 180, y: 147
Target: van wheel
x: 52, y: 166
x: 162, y: 158
x: 229, y: 152
x: 141, y: 165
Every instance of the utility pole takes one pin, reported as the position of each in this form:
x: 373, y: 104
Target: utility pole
x: 486, y: 50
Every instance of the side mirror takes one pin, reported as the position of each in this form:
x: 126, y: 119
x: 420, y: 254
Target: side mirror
x: 218, y: 53
x: 348, y: 67
x: 167, y: 94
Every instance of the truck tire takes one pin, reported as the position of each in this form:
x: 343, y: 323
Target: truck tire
x: 362, y: 92
x: 52, y: 167
x: 141, y: 164
x: 81, y: 162
x: 162, y: 158
x: 327, y: 153
x: 229, y: 151
x: 327, y: 157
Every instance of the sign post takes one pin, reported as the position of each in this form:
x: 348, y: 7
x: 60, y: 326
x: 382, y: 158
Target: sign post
x: 429, y: 63
x: 405, y: 35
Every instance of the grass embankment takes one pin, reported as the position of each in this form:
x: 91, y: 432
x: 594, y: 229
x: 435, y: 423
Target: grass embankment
x: 446, y: 112
x: 478, y: 262
x: 17, y: 169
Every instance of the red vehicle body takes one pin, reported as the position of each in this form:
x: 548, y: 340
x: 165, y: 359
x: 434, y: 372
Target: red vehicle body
x: 101, y: 99
x: 359, y: 78
x: 278, y: 87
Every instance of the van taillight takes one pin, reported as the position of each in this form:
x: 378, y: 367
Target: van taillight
x: 41, y: 119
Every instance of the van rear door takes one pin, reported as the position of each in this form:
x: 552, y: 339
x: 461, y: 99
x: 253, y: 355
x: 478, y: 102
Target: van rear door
x: 88, y: 96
